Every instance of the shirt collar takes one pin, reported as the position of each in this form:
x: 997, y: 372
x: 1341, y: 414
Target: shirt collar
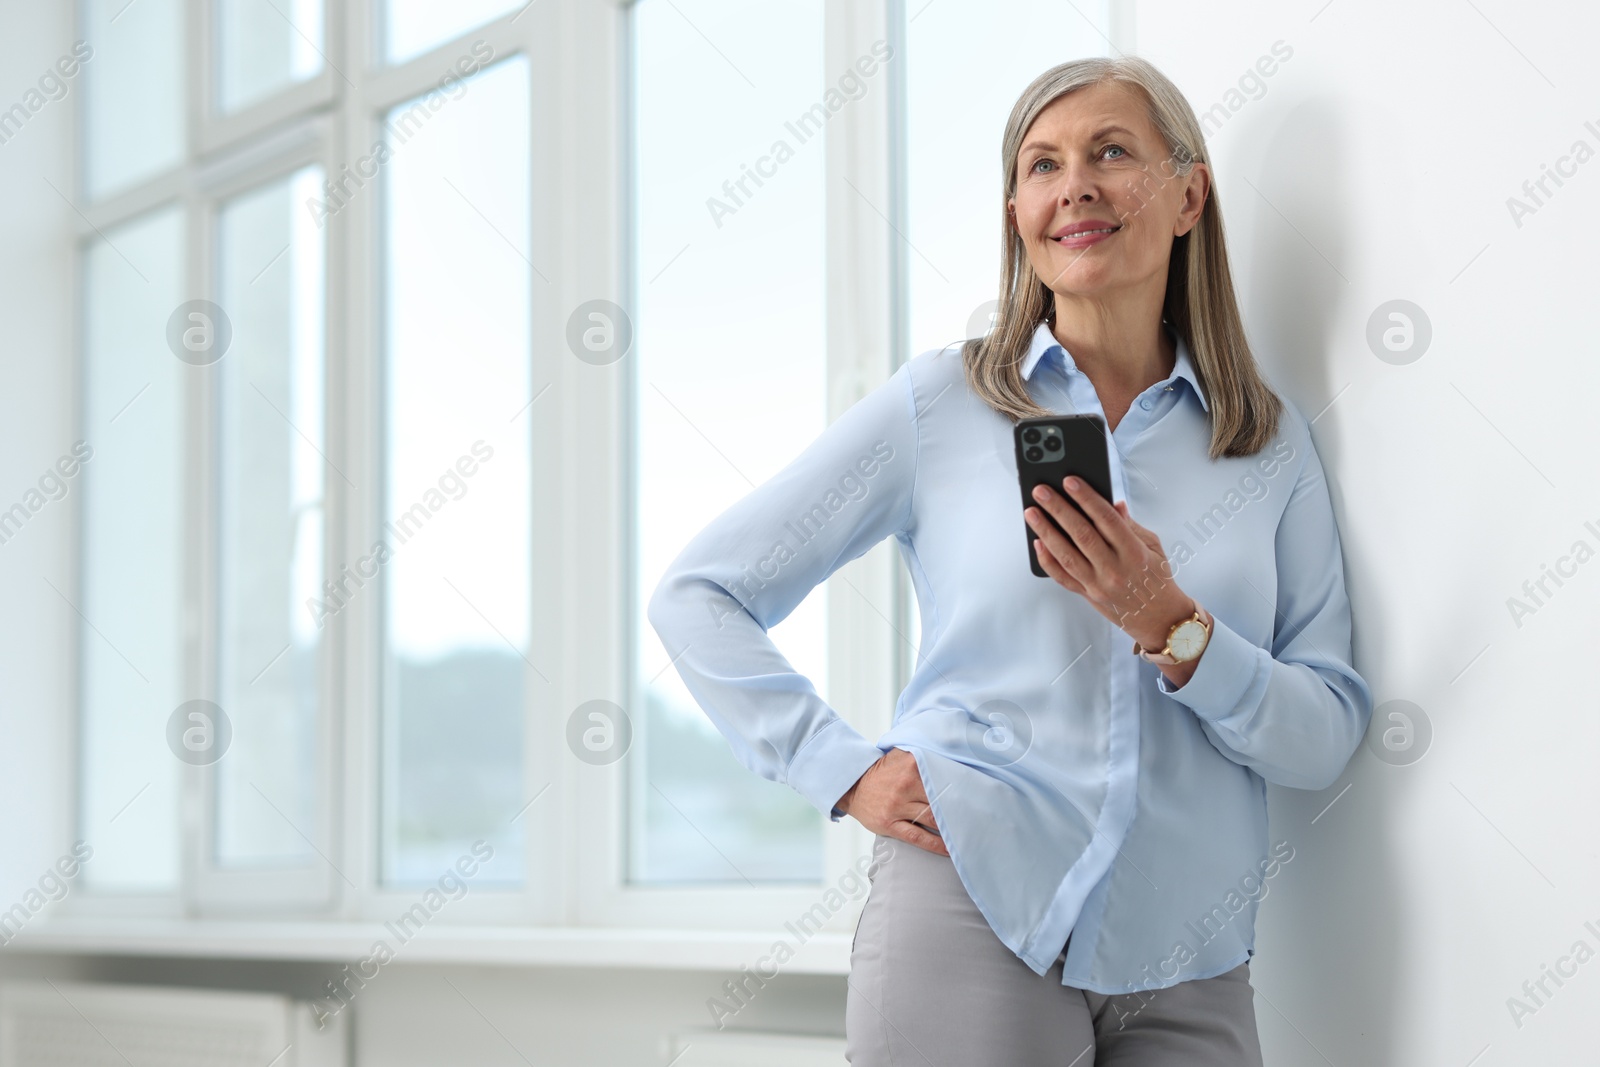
x: 1044, y: 342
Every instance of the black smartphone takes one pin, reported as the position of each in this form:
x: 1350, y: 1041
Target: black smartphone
x: 1051, y: 447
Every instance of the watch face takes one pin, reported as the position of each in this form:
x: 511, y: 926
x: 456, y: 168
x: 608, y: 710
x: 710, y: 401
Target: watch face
x: 1188, y: 640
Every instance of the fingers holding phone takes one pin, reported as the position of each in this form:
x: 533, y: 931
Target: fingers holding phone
x: 1049, y: 449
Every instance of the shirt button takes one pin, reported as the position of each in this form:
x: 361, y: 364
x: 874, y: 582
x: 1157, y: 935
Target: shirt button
x: 1145, y: 403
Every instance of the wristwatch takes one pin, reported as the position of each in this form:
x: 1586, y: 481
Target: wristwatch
x: 1185, y: 641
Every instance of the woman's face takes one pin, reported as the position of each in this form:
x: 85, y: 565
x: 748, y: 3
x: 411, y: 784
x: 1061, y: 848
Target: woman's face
x: 1092, y: 157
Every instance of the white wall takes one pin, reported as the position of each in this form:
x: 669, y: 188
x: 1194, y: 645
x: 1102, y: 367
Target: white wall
x: 1376, y: 165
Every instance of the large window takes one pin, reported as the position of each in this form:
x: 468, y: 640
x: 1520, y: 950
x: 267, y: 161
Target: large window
x: 416, y: 339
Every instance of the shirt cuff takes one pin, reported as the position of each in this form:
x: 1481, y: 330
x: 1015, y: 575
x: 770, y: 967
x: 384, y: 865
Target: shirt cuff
x: 828, y: 764
x: 1225, y: 672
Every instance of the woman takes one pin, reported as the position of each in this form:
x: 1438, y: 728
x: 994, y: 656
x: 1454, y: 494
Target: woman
x: 1070, y: 806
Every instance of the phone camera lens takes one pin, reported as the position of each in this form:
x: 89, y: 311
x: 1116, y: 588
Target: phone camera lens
x: 1030, y: 436
x: 1053, y: 444
x: 1034, y: 454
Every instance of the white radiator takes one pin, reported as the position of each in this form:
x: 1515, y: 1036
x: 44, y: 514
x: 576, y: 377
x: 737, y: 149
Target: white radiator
x: 725, y: 1048
x: 83, y: 1024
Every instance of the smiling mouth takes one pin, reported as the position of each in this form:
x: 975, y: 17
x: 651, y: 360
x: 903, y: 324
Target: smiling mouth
x: 1085, y: 233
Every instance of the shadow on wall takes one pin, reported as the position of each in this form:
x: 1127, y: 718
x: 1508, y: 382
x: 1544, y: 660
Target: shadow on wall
x: 1336, y: 925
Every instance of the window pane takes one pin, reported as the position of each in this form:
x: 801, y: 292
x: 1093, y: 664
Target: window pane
x: 953, y: 132
x: 264, y: 46
x: 731, y: 387
x: 133, y: 114
x: 270, y: 524
x: 130, y: 600
x: 411, y: 27
x: 457, y: 496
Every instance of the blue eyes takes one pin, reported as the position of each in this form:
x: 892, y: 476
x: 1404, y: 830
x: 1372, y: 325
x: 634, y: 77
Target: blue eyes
x: 1123, y: 152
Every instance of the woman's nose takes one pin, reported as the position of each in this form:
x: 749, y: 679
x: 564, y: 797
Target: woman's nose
x: 1078, y: 185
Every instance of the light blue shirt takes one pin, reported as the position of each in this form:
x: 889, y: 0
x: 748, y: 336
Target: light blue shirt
x: 1077, y: 790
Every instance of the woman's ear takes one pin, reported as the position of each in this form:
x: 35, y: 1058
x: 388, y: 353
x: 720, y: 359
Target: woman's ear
x: 1195, y: 195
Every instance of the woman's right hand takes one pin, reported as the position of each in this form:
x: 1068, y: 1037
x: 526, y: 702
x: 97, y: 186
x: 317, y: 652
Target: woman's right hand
x: 889, y: 799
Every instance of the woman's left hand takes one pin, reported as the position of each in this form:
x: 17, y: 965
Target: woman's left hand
x: 1114, y: 563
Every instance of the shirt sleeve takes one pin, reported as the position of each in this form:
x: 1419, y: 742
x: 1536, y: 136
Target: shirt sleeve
x: 754, y: 564
x: 1295, y: 714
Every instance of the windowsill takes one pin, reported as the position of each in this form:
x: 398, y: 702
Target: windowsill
x: 824, y: 953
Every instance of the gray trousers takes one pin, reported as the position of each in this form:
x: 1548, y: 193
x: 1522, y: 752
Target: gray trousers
x: 932, y: 986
